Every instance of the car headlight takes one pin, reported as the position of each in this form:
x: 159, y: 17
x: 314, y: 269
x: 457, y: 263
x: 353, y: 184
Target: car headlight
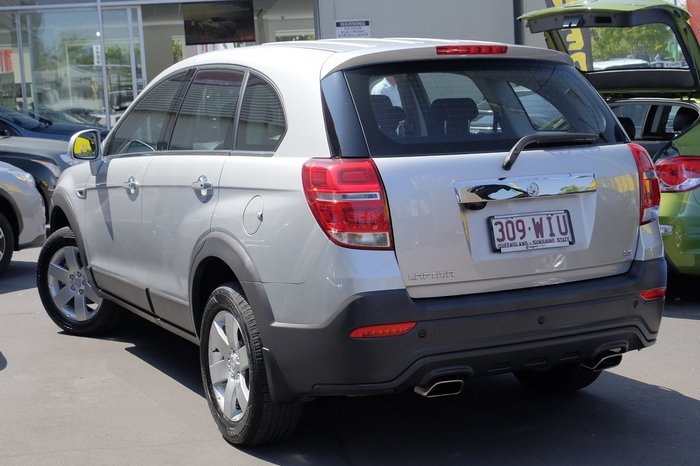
x: 23, y: 176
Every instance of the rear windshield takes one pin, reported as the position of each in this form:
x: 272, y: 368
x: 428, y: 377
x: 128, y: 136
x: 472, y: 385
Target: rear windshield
x: 463, y: 106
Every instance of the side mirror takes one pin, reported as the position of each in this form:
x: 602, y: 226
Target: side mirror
x: 85, y: 145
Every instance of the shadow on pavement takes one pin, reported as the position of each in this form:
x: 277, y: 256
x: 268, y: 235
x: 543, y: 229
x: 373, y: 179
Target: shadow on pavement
x: 19, y: 276
x: 495, y: 420
x: 175, y: 357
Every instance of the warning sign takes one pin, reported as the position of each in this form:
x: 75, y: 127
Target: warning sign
x: 352, y: 28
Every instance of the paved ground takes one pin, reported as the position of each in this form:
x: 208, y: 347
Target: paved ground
x: 136, y: 398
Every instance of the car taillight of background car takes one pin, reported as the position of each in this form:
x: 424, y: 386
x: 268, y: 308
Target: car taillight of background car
x: 678, y: 174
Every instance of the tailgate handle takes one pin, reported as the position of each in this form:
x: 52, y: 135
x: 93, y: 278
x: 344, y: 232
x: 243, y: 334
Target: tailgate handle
x: 525, y: 187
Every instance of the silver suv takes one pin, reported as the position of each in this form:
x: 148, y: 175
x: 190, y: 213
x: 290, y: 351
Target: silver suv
x: 361, y: 217
x: 22, y: 222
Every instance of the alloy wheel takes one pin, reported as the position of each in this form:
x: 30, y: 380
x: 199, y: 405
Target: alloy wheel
x: 69, y: 288
x: 229, y: 366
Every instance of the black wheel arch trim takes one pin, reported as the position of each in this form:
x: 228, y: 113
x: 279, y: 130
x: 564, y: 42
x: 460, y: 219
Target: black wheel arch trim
x: 60, y: 201
x: 226, y: 248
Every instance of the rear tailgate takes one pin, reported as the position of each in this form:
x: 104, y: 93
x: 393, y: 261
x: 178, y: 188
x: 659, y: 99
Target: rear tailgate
x: 559, y: 215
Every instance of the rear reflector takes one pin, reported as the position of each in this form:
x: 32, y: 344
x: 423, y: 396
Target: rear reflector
x: 652, y: 295
x: 347, y: 199
x: 471, y: 49
x: 386, y: 330
x: 678, y: 174
x: 649, y: 193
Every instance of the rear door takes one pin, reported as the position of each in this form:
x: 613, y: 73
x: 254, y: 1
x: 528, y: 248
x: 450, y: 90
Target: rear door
x: 463, y: 222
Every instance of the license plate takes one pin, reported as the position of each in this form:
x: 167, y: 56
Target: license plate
x: 538, y: 230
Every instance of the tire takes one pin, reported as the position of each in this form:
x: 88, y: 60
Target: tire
x: 234, y: 377
x: 7, y: 242
x: 559, y: 379
x: 65, y: 292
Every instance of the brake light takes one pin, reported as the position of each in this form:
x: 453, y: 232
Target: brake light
x: 653, y: 294
x: 386, y: 330
x: 485, y: 49
x: 649, y: 194
x: 348, y: 201
x: 678, y: 174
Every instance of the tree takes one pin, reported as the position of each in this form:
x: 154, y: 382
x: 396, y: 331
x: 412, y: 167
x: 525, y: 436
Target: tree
x: 644, y: 42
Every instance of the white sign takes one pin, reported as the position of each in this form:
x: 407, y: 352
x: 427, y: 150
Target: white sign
x: 96, y: 55
x: 352, y: 28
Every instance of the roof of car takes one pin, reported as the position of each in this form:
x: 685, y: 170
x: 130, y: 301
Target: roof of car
x: 327, y: 56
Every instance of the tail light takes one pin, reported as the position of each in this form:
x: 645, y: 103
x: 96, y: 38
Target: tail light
x: 649, y: 194
x: 348, y: 201
x: 653, y: 294
x: 678, y: 174
x: 481, y: 49
x: 385, y: 330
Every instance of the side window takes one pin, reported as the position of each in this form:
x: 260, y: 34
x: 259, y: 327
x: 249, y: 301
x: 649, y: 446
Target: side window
x: 636, y: 112
x: 542, y: 114
x: 261, y: 123
x: 140, y: 130
x: 208, y: 111
x: 5, y: 130
x: 680, y: 119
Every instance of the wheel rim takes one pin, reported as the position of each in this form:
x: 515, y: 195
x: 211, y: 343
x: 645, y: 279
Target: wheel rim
x: 229, y: 366
x: 70, y: 291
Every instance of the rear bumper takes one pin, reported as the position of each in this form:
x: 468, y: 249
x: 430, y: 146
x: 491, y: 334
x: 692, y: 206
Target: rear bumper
x: 463, y: 336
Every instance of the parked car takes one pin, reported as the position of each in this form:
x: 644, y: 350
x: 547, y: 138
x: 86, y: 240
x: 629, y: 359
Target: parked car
x: 315, y: 238
x: 656, y: 105
x: 14, y: 123
x: 44, y: 159
x: 21, y: 213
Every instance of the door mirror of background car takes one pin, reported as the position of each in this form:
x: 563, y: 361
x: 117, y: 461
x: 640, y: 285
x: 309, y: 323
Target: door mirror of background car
x: 85, y: 145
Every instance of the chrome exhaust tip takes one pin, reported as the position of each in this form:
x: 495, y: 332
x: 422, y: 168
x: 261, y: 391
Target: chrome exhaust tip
x: 441, y: 388
x: 606, y: 361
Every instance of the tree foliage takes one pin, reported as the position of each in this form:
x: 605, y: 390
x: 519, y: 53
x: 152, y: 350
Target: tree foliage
x: 644, y: 42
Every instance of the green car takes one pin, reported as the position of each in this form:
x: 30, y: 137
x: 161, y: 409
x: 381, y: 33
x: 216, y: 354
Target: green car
x: 643, y: 58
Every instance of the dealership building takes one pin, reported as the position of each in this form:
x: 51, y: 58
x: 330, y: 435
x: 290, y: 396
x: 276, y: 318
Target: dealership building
x: 86, y: 59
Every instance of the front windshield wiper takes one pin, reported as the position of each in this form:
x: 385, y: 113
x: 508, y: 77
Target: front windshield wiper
x: 546, y: 139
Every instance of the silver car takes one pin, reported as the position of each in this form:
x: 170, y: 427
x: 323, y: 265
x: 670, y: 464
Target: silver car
x: 323, y: 219
x: 22, y: 222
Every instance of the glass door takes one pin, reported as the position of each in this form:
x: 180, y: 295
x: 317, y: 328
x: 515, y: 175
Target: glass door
x: 123, y: 58
x: 10, y: 75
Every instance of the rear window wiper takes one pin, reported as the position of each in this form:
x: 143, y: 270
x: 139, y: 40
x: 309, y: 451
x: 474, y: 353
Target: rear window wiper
x: 546, y: 139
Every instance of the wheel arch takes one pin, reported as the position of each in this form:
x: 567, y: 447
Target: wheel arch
x: 221, y: 259
x: 61, y: 215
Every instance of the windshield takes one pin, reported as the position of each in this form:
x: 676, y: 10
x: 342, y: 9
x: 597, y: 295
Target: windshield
x: 463, y: 106
x: 607, y: 48
x: 20, y: 119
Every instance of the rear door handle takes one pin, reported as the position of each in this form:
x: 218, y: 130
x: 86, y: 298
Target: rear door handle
x: 131, y: 185
x: 202, y: 184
